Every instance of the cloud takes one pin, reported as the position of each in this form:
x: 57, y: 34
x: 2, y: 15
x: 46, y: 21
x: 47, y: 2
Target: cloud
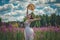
x: 41, y: 6
x: 57, y: 4
x: 12, y: 18
x: 18, y: 15
x: 43, y: 1
x: 49, y: 10
x: 52, y: 0
x: 6, y: 8
x: 16, y: 9
x: 20, y: 18
x: 8, y: 18
x: 38, y: 12
x: 41, y: 12
x: 20, y: 0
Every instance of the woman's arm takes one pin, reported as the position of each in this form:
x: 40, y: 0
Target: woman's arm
x: 35, y: 19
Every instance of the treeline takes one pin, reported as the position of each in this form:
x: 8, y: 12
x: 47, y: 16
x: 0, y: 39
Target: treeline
x: 46, y: 20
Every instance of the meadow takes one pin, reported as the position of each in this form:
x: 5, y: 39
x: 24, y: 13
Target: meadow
x: 14, y: 12
x: 41, y: 33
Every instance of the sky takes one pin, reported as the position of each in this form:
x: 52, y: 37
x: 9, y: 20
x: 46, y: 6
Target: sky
x: 15, y: 10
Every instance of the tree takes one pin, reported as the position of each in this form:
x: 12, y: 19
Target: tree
x: 53, y: 19
x: 43, y: 20
x: 58, y: 20
x: 47, y: 20
x: 0, y: 21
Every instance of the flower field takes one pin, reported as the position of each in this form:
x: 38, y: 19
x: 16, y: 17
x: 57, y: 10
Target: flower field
x: 41, y: 33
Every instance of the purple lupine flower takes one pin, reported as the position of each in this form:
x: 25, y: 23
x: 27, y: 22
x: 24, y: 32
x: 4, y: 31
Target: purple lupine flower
x: 15, y: 29
x: 4, y: 29
x: 21, y: 29
x: 10, y: 25
x: 10, y: 28
x: 57, y: 29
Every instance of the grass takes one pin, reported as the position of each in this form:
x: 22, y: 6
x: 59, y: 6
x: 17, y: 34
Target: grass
x: 18, y: 34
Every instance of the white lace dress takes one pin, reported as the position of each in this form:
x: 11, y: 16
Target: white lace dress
x: 28, y: 32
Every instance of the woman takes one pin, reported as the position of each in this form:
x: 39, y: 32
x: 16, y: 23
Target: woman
x: 28, y: 32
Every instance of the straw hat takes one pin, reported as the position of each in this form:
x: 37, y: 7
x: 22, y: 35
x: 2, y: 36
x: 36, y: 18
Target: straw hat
x: 31, y: 7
